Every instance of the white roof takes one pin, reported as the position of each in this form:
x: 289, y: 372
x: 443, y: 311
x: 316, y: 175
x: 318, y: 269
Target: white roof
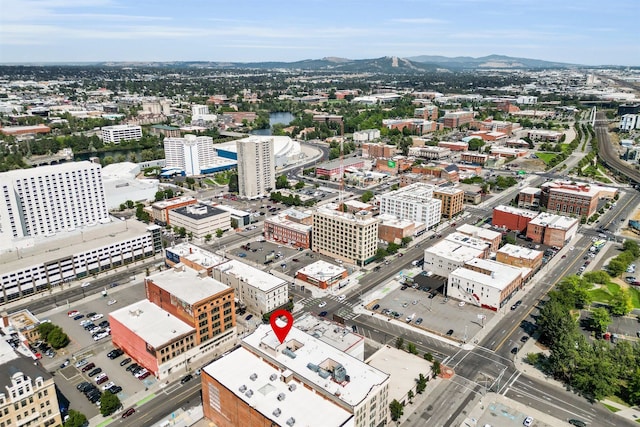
x: 550, y: 220
x: 310, y: 350
x: 519, y: 251
x: 282, y: 220
x: 321, y: 270
x: 516, y: 211
x: 255, y: 277
x: 151, y: 323
x: 479, y: 232
x: 530, y: 190
x: 49, y: 169
x: 502, y: 274
x: 464, y: 240
x: 187, y: 284
x: 577, y: 188
x: 120, y: 170
x: 163, y: 204
x: 196, y: 254
x: 235, y: 372
x: 334, y: 334
x: 454, y: 251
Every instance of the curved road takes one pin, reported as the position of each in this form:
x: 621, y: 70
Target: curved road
x: 607, y: 153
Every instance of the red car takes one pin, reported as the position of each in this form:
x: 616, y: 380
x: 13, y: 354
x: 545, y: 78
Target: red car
x: 128, y: 412
x: 72, y: 313
x: 145, y: 375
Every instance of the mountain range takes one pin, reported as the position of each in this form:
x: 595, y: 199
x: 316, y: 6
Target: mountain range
x: 386, y: 64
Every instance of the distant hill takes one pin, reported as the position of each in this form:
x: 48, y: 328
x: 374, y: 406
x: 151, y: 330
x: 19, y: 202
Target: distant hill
x: 491, y: 61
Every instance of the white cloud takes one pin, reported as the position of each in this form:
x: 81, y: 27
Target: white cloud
x: 419, y: 21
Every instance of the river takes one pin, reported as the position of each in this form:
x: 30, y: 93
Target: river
x: 280, y: 117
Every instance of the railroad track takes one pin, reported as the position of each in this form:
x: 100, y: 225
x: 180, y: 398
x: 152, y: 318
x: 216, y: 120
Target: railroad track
x: 608, y: 155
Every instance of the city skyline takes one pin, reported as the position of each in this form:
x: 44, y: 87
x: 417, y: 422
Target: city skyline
x: 247, y: 31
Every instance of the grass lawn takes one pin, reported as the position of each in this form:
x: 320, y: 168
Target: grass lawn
x: 606, y: 292
x: 565, y: 147
x: 616, y: 399
x: 611, y: 408
x: 635, y: 296
x: 546, y: 157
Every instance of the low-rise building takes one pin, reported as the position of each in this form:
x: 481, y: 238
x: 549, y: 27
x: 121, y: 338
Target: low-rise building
x: 455, y: 119
x: 393, y: 230
x: 573, y: 198
x: 494, y: 238
x: 485, y: 283
x: 474, y: 157
x: 472, y: 193
x: 511, y: 218
x: 375, y: 151
x: 519, y: 256
x: 544, y: 135
x: 454, y: 145
x: 472, y: 242
x: 552, y: 230
x: 117, y: 133
x: 507, y: 152
x: 445, y: 256
x: 192, y: 256
x: 201, y: 220
x: 290, y: 226
x: 334, y: 169
x: 431, y: 153
x: 258, y: 291
x: 160, y: 210
x: 332, y: 333
x: 322, y: 274
x: 415, y: 202
x: 529, y: 198
x: 24, y: 130
x: 295, y: 382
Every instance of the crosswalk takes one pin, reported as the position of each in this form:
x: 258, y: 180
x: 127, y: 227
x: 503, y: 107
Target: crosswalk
x: 345, y: 311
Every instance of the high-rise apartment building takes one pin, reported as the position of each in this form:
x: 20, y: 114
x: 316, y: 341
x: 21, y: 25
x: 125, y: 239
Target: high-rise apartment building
x: 50, y: 199
x: 415, y: 202
x: 191, y: 154
x: 352, y: 238
x: 115, y: 134
x: 256, y: 167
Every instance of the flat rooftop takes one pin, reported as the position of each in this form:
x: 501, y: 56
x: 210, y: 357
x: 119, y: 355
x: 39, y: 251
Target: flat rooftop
x: 187, y: 284
x: 259, y: 385
x: 41, y: 249
x: 151, y: 323
x: 454, y: 251
x: 282, y: 220
x: 502, y: 274
x: 255, y: 277
x: 311, y: 353
x: 577, y: 188
x: 479, y: 232
x: 322, y: 270
x: 530, y: 190
x: 463, y: 239
x: 361, y: 217
x: 296, y: 214
x: 198, y: 211
x: 334, y: 334
x: 519, y: 251
x: 163, y: 204
x: 196, y: 254
x: 550, y: 220
x: 516, y: 211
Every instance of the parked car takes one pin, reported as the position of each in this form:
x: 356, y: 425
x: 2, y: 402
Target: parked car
x: 81, y: 363
x: 418, y: 320
x: 450, y: 332
x: 108, y: 385
x: 101, y: 380
x: 186, y: 378
x: 248, y: 317
x: 132, y: 367
x: 83, y: 386
x: 524, y: 338
x: 95, y: 372
x: 115, y: 389
x: 96, y: 317
x: 323, y: 313
x: 65, y: 364
x: 577, y: 423
x: 88, y: 367
x: 375, y: 307
x: 72, y: 313
x: 527, y: 421
x: 516, y: 305
x: 104, y: 324
x: 78, y: 316
x: 115, y: 353
x: 125, y: 361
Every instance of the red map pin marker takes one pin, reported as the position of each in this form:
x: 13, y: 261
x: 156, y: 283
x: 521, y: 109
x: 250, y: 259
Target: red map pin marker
x: 281, y: 331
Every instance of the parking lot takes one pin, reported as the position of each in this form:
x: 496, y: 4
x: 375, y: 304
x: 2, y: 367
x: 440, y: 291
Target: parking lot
x: 83, y: 346
x: 424, y: 300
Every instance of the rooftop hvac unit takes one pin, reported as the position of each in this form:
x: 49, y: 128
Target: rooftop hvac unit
x: 253, y: 377
x: 249, y: 393
x: 281, y: 397
x: 289, y: 353
x: 313, y: 367
x: 323, y: 373
x: 292, y: 387
x: 243, y: 388
x: 339, y: 374
x: 277, y: 412
x: 291, y: 421
x: 273, y: 377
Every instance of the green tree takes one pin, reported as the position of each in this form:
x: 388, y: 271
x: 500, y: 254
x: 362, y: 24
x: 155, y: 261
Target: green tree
x: 555, y: 321
x: 234, y: 223
x: 600, y: 277
x: 299, y: 185
x: 45, y: 329
x: 600, y: 319
x: 632, y: 247
x: 182, y: 232
x: 233, y: 183
x: 428, y: 357
x: 282, y: 182
x: 109, y: 403
x: 207, y: 238
x: 57, y: 338
x: 633, y: 387
x: 399, y: 342
x: 436, y: 368
x: 421, y: 383
x: 616, y: 267
x: 396, y: 410
x: 219, y: 233
x: 168, y: 193
x: 405, y: 241
x: 410, y: 396
x: 76, y: 419
x: 621, y: 303
x: 475, y: 144
x: 411, y: 348
x: 129, y: 204
x: 366, y: 196
x: 122, y: 207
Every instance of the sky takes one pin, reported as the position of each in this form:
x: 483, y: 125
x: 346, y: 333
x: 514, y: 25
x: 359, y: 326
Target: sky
x: 588, y: 32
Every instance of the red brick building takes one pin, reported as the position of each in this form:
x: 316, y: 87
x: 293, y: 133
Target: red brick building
x: 160, y: 210
x: 565, y: 197
x: 457, y: 118
x: 552, y: 230
x: 378, y: 150
x: 290, y: 227
x: 332, y: 168
x: 454, y: 145
x: 512, y: 218
x: 474, y: 157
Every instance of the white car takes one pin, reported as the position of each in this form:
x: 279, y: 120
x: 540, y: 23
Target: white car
x: 322, y: 304
x: 140, y: 373
x: 341, y: 298
x: 108, y: 385
x: 527, y: 421
x: 100, y: 335
x: 100, y: 376
x: 112, y: 301
x: 97, y: 317
x: 85, y: 284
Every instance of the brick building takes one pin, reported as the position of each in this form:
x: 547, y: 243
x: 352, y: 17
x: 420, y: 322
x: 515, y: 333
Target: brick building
x: 291, y: 227
x: 552, y: 230
x: 378, y: 150
x: 394, y: 230
x: 494, y: 238
x: 454, y: 145
x: 519, y: 256
x: 511, y: 218
x: 529, y: 198
x: 160, y: 210
x: 566, y: 197
x: 457, y: 118
x: 474, y: 157
x: 322, y: 274
x: 332, y: 169
x: 452, y: 200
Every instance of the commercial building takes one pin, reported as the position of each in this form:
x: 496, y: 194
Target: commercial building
x: 321, y: 274
x: 541, y: 135
x: 290, y: 226
x: 24, y: 130
x: 192, y: 154
x: 366, y: 135
x: 472, y: 193
x: 201, y: 220
x: 258, y: 291
x: 415, y: 202
x: 472, y: 242
x: 351, y: 238
x: 529, y: 198
x: 160, y: 210
x: 457, y: 118
x: 452, y: 200
x: 485, y: 283
x: 115, y: 134
x: 256, y: 167
x: 508, y: 153
x: 50, y: 199
x: 519, y: 256
x: 332, y: 333
x: 577, y: 198
x: 552, y: 230
x: 393, y: 230
x: 121, y: 184
x: 297, y: 382
x: 27, y: 391
x: 46, y: 262
x: 334, y: 169
x: 474, y: 157
x: 454, y: 145
x: 194, y: 297
x: 494, y: 238
x: 431, y: 153
x: 511, y: 218
x: 193, y: 257
x: 629, y: 122
x: 375, y: 151
x: 446, y: 255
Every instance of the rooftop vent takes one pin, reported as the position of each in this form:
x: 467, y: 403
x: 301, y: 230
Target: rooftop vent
x: 249, y: 393
x: 277, y: 412
x: 292, y: 387
x: 253, y: 377
x: 281, y: 397
x: 291, y: 421
x: 243, y: 388
x: 289, y: 353
x: 273, y: 377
